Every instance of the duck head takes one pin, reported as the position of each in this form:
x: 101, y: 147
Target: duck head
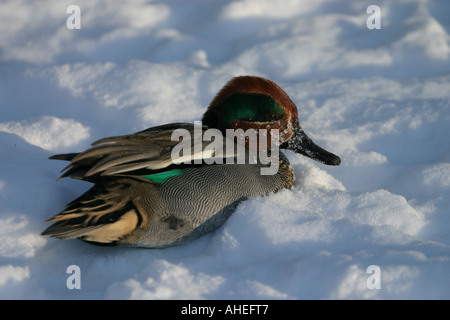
x: 252, y: 102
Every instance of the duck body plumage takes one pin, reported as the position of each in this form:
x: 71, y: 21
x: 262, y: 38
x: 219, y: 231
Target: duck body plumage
x: 142, y: 197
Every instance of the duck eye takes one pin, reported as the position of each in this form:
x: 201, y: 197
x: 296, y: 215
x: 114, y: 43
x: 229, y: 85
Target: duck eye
x: 271, y: 116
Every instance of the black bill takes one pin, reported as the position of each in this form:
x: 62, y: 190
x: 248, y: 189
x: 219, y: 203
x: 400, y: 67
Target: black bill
x: 301, y: 143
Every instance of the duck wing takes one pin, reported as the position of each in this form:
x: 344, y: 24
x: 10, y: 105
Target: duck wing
x: 141, y: 153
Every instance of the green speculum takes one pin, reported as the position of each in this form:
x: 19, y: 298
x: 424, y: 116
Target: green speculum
x: 163, y: 176
x: 251, y: 107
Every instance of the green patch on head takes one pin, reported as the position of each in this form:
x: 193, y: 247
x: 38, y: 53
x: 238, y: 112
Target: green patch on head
x: 250, y: 107
x: 163, y: 176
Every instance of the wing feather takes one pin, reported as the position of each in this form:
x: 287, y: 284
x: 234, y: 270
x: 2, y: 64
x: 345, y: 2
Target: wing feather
x: 147, y: 150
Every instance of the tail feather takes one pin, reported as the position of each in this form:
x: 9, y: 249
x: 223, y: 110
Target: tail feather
x: 101, y: 215
x: 76, y: 171
x: 105, y: 233
x: 64, y: 156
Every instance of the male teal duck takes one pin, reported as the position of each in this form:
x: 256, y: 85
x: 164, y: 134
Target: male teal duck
x: 142, y: 197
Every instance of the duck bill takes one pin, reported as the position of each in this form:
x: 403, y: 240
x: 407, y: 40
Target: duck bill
x: 301, y: 143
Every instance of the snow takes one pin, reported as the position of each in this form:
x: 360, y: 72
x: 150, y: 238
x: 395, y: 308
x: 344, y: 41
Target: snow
x: 378, y: 98
x: 48, y: 132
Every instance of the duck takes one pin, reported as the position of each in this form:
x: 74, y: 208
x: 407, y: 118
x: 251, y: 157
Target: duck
x: 144, y: 196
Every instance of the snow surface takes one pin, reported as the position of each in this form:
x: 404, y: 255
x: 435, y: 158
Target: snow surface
x: 380, y: 99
